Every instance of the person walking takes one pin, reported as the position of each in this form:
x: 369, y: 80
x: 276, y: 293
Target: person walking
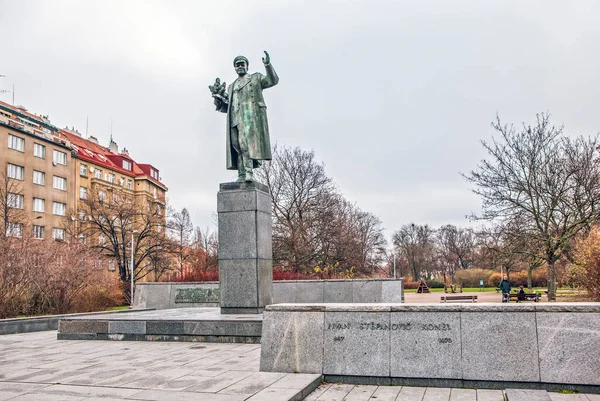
x: 505, y: 289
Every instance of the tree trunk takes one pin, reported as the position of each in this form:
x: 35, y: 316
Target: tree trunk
x: 551, y: 282
x: 529, y: 276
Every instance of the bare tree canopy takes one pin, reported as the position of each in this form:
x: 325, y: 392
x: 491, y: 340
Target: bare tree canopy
x: 107, y: 220
x: 546, y: 181
x: 415, y: 243
x: 314, y: 226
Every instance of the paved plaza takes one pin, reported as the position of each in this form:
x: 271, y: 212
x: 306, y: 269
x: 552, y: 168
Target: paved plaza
x: 37, y: 366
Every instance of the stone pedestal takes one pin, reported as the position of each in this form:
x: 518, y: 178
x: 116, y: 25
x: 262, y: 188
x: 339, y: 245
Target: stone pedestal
x: 245, y: 247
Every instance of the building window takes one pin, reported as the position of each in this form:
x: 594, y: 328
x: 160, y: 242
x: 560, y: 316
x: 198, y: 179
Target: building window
x: 111, y: 265
x: 155, y: 194
x: 16, y: 143
x: 15, y: 171
x: 15, y: 201
x: 110, y: 178
x: 82, y: 193
x: 38, y: 232
x: 129, y: 184
x: 101, y: 195
x: 39, y: 177
x: 58, y: 233
x: 59, y: 208
x: 60, y: 158
x: 83, y: 170
x: 82, y: 215
x: 60, y: 183
x: 97, y: 173
x: 102, y: 240
x: 122, y: 181
x: 14, y: 229
x: 39, y: 150
x: 82, y: 238
x: 39, y: 205
x: 116, y: 199
x: 127, y: 165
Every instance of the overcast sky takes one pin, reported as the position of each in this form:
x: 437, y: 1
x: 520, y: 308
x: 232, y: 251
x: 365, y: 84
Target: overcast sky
x: 393, y: 96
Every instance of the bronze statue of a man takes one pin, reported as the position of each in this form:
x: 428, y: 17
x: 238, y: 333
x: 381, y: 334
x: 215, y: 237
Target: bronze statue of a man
x: 248, y: 142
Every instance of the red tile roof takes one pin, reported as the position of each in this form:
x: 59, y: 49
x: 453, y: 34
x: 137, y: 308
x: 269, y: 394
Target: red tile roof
x: 102, y: 156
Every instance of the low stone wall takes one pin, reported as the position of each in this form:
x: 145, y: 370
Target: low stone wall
x: 43, y: 323
x: 188, y: 295
x: 458, y: 345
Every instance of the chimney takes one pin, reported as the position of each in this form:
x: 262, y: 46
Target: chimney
x: 93, y: 139
x: 125, y: 152
x: 113, y: 147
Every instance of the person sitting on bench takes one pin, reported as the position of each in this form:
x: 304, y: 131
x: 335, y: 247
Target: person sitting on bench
x: 521, y: 293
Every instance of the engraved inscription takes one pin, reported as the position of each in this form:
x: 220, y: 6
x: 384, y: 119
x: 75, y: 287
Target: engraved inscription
x: 196, y: 295
x: 398, y: 326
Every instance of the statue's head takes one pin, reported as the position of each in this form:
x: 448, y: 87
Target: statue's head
x: 240, y: 63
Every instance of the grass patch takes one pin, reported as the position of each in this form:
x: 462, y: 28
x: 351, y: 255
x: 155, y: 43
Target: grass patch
x: 118, y: 308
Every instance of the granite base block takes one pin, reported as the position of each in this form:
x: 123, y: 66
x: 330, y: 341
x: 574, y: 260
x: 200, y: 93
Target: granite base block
x: 569, y: 345
x: 425, y: 345
x: 126, y: 327
x: 491, y: 340
x: 83, y: 326
x: 310, y: 292
x: 366, y: 291
x: 237, y: 235
x: 239, y: 283
x: 356, y: 344
x: 337, y: 291
x: 284, y: 292
x: 157, y: 297
x: 164, y: 328
x: 292, y: 342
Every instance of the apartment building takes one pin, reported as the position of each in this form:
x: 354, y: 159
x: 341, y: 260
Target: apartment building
x: 54, y: 169
x: 37, y: 174
x: 103, y: 169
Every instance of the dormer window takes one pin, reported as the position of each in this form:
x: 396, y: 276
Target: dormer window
x: 154, y: 174
x: 126, y: 164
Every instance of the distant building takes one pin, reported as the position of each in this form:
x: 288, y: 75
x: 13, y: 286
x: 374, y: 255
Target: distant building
x: 55, y: 168
x: 37, y: 174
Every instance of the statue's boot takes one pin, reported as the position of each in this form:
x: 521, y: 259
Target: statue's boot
x: 245, y: 173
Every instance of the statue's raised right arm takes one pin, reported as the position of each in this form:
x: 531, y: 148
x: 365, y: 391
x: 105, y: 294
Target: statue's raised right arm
x: 271, y: 79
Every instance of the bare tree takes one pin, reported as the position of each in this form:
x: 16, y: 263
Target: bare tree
x: 108, y: 219
x: 415, y: 243
x: 548, y: 182
x: 455, y: 246
x: 314, y: 225
x: 181, y: 229
x: 11, y: 203
x: 302, y: 194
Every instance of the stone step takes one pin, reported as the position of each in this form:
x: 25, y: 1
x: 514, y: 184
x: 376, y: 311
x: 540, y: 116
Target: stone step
x: 513, y: 394
x: 183, y: 324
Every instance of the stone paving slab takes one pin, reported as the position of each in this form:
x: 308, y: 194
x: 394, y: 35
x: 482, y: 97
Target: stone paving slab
x: 348, y: 392
x: 36, y: 366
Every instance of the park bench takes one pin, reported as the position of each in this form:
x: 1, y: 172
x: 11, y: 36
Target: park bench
x: 458, y: 298
x: 525, y: 297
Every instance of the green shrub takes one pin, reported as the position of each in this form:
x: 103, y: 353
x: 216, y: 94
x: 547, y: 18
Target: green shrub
x: 469, y: 278
x: 434, y: 284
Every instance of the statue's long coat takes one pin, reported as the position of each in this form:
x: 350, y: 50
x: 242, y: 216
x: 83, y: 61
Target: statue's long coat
x: 251, y: 117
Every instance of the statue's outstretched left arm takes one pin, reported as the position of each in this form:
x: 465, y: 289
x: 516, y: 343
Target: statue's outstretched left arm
x: 271, y: 79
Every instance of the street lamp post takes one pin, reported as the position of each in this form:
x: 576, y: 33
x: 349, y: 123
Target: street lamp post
x: 132, y: 269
